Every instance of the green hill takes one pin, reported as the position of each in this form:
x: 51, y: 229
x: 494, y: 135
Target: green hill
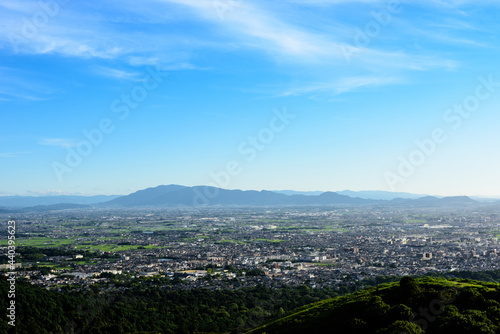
x: 440, y: 305
x: 427, y: 305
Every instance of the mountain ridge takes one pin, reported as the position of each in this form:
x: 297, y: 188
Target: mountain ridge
x: 172, y: 195
x: 30, y: 201
x: 206, y: 195
x: 199, y: 196
x: 380, y: 194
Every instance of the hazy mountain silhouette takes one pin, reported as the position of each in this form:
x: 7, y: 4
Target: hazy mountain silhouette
x: 173, y: 195
x: 293, y: 192
x: 379, y: 194
x: 177, y: 195
x: 30, y: 201
x: 44, y: 208
x: 204, y: 195
x: 59, y: 206
x: 432, y: 201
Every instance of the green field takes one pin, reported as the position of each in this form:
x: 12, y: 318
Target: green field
x: 44, y: 242
x: 41, y: 242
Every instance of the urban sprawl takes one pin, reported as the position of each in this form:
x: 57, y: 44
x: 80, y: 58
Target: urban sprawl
x: 231, y: 248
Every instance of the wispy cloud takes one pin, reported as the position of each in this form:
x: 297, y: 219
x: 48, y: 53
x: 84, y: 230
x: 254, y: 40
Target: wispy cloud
x: 117, y: 74
x: 18, y: 84
x: 143, y: 61
x: 50, y: 192
x: 439, y: 3
x: 243, y: 25
x: 450, y: 31
x: 256, y: 27
x: 19, y: 6
x: 18, y: 95
x: 59, y: 142
x: 7, y: 155
x: 333, y: 2
x: 340, y: 86
x: 12, y: 154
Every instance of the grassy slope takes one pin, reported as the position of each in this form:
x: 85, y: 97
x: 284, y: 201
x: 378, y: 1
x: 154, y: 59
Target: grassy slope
x: 379, y: 308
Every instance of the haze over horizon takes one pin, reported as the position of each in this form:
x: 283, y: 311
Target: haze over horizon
x: 368, y: 194
x: 114, y: 97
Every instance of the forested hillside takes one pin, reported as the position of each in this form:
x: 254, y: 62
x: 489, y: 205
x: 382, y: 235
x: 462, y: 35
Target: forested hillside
x: 438, y: 305
x: 151, y: 309
x: 427, y: 305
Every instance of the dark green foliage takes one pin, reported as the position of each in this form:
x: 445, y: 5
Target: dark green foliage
x: 151, y: 310
x: 427, y: 305
x: 485, y: 276
x: 33, y: 254
x: 401, y: 326
x: 255, y: 272
x: 435, y: 304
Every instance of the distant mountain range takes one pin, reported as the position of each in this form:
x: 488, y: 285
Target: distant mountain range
x: 204, y: 195
x: 369, y: 194
x: 27, y: 201
x: 176, y: 195
x: 44, y: 208
x: 293, y: 192
x: 378, y: 194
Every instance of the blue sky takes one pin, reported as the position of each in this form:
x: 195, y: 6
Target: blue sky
x: 109, y: 97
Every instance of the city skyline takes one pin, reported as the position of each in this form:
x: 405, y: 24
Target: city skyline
x: 111, y: 98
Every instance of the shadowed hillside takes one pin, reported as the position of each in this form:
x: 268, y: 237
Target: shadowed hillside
x: 429, y: 305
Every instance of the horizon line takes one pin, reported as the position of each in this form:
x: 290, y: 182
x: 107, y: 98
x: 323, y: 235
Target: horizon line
x: 57, y: 193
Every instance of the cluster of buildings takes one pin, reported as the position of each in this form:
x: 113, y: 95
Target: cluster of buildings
x: 233, y: 248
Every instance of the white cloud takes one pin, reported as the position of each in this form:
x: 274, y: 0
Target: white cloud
x: 340, y: 86
x: 12, y: 154
x: 18, y: 95
x: 256, y: 27
x: 333, y: 2
x: 7, y: 155
x: 252, y: 24
x: 117, y: 74
x: 59, y: 142
x: 20, y: 84
x: 80, y: 30
x: 25, y: 7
